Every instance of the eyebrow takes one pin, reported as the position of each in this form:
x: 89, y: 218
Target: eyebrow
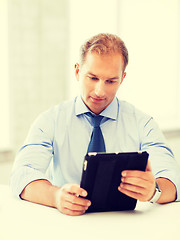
x: 113, y: 78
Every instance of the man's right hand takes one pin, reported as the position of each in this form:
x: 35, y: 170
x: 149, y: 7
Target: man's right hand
x: 68, y: 200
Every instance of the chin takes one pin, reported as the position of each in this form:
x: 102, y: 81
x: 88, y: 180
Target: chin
x: 97, y: 110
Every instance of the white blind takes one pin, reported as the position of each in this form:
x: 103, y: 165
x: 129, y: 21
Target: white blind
x: 4, y: 83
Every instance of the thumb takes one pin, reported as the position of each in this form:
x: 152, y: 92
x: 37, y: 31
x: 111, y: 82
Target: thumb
x: 148, y: 167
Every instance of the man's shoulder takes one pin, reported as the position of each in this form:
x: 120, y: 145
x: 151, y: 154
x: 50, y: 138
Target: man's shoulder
x: 52, y: 116
x: 59, y: 110
x: 64, y: 106
x: 126, y: 107
x: 131, y: 110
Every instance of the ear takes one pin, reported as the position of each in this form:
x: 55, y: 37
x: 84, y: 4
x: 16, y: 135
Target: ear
x: 76, y: 67
x: 124, y: 75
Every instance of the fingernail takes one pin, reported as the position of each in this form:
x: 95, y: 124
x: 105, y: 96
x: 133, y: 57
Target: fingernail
x: 84, y: 193
x: 89, y: 203
x: 123, y: 174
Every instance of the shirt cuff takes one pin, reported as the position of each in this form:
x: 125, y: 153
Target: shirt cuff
x: 22, y: 177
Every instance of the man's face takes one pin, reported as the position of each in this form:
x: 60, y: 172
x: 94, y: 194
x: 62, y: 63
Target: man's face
x: 99, y: 78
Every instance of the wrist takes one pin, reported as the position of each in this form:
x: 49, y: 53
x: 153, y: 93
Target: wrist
x: 54, y: 195
x: 156, y: 195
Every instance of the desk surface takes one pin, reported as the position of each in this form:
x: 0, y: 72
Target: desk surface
x: 24, y: 220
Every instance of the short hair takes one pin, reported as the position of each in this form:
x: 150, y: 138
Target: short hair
x: 104, y: 44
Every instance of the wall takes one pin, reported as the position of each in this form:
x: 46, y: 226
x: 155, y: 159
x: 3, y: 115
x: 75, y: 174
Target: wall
x: 38, y: 53
x: 38, y: 33
x: 4, y: 83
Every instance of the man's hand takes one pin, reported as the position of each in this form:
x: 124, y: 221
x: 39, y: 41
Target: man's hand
x: 138, y: 184
x: 68, y: 200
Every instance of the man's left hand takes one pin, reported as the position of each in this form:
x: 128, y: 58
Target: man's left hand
x: 138, y: 184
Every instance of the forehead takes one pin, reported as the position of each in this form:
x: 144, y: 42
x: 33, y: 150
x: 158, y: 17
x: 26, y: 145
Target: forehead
x: 108, y: 65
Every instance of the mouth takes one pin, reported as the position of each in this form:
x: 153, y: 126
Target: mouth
x: 97, y: 100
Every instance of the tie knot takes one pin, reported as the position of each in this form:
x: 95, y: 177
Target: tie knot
x: 96, y: 119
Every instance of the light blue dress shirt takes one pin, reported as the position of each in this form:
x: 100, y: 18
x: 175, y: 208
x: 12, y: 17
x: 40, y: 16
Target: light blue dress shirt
x: 58, y: 140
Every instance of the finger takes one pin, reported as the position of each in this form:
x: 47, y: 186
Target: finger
x: 75, y: 189
x: 136, y: 174
x: 72, y: 212
x: 135, y: 181
x: 75, y: 207
x: 134, y: 195
x: 66, y: 207
x: 140, y: 193
x: 77, y: 200
x: 132, y: 188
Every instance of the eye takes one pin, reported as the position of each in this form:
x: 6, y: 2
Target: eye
x: 110, y: 81
x: 93, y: 78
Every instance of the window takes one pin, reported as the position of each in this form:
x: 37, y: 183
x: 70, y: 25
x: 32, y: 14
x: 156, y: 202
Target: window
x: 151, y: 31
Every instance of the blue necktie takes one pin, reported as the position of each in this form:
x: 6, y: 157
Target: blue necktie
x: 97, y: 141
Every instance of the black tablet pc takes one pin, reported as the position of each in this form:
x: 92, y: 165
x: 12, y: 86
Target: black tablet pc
x: 101, y: 177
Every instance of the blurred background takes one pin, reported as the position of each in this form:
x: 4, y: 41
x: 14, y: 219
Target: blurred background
x: 39, y: 45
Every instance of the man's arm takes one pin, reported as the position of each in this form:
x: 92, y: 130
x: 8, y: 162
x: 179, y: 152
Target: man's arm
x: 141, y: 185
x: 168, y: 189
x: 66, y: 199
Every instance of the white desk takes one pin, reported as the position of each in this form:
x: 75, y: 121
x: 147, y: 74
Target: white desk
x: 24, y: 220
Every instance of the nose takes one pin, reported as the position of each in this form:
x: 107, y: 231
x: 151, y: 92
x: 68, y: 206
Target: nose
x: 99, y: 89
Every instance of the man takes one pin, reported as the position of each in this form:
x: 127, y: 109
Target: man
x: 48, y: 167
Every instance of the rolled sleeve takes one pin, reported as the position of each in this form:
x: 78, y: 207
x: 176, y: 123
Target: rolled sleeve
x: 33, y: 159
x: 22, y: 177
x: 161, y: 157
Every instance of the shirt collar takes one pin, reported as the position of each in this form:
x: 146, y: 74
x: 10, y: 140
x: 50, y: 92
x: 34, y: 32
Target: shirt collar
x: 110, y: 112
